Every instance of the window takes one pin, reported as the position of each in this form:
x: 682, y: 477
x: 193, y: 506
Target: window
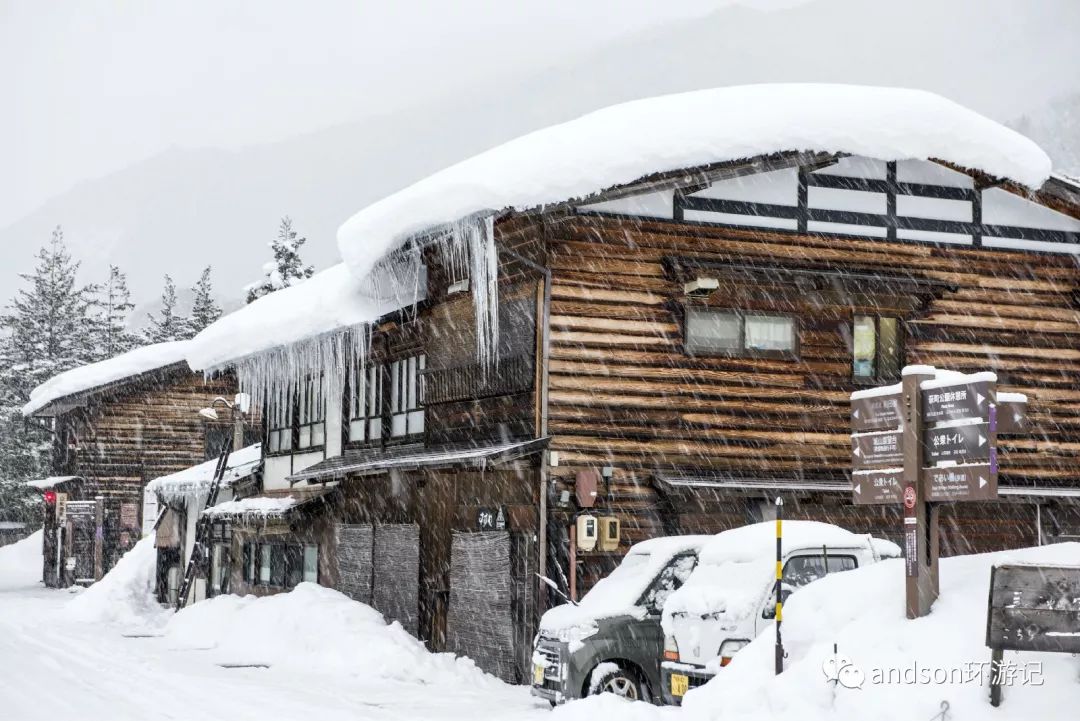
x: 406, y: 396
x: 279, y: 435
x: 311, y: 414
x: 877, y: 354
x: 668, y: 581
x: 265, y: 563
x: 365, y: 405
x: 801, y: 570
x: 739, y: 333
x: 311, y: 563
x: 250, y: 562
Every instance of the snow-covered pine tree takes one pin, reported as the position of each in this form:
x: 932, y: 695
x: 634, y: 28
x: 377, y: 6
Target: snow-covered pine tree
x: 286, y: 268
x: 168, y: 325
x: 114, y: 308
x: 45, y: 334
x: 204, y: 309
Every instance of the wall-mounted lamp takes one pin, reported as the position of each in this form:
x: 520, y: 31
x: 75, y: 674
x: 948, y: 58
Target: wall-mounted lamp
x: 701, y: 286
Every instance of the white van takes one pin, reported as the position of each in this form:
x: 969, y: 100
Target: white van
x: 730, y: 596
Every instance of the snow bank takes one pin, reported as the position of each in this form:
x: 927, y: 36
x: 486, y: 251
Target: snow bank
x: 125, y: 595
x: 327, y: 302
x: 21, y: 562
x: 314, y: 629
x: 94, y: 375
x: 626, y: 142
x: 616, y: 593
x: 198, y: 478
x: 862, y: 611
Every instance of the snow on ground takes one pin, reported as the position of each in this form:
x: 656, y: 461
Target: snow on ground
x: 125, y: 595
x: 627, y: 142
x: 862, y: 612
x: 20, y: 562
x: 328, y: 657
x: 87, y: 377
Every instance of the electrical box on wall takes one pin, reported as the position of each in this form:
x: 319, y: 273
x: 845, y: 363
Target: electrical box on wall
x: 609, y: 533
x: 588, y: 533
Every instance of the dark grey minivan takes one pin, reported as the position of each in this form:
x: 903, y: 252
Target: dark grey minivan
x: 611, y: 641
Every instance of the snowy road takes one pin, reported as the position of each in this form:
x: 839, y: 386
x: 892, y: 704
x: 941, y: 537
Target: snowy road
x: 54, y: 668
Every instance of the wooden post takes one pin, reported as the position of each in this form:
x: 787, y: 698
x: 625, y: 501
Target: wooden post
x: 573, y: 562
x: 99, y: 537
x: 920, y: 520
x: 997, y: 655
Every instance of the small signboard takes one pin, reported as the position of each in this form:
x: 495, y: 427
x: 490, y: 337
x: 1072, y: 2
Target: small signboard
x: 129, y: 515
x: 950, y: 403
x: 491, y: 519
x: 956, y: 443
x: 977, y: 482
x: 1011, y: 417
x: 875, y: 412
x: 1034, y: 608
x: 875, y: 487
x: 877, y: 450
x: 80, y: 509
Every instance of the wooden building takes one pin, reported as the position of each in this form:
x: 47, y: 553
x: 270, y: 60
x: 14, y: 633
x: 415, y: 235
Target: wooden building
x: 688, y: 341
x: 116, y: 425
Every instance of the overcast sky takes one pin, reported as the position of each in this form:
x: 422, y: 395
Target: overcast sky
x: 99, y: 84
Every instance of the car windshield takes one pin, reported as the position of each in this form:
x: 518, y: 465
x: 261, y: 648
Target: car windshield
x: 624, y: 585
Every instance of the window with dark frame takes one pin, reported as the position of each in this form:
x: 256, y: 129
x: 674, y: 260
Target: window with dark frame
x: 311, y: 414
x: 280, y: 565
x: 279, y: 422
x: 365, y: 405
x: 732, y: 332
x: 406, y: 396
x: 877, y: 348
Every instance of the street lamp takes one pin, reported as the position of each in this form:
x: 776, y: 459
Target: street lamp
x: 240, y: 405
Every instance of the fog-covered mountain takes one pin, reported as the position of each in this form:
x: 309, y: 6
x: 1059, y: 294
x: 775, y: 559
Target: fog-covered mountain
x: 187, y: 208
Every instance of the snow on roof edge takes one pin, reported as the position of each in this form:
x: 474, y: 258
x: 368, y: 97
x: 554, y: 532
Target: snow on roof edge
x: 624, y: 143
x: 96, y: 375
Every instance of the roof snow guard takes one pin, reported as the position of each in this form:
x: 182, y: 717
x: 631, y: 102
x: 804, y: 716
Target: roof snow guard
x: 626, y: 143
x: 102, y: 376
x: 378, y: 461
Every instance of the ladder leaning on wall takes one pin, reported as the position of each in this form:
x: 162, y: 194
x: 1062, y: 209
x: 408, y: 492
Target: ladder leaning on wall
x: 200, y: 551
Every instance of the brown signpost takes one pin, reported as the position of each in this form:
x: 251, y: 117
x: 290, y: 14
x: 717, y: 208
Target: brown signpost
x: 921, y: 446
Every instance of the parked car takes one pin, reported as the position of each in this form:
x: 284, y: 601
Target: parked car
x: 611, y: 640
x: 730, y: 597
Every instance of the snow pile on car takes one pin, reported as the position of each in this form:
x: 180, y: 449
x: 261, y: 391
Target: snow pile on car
x: 735, y: 567
x: 627, y: 142
x: 937, y: 659
x: 125, y: 595
x: 20, y: 562
x: 617, y: 593
x: 314, y: 629
x: 94, y: 375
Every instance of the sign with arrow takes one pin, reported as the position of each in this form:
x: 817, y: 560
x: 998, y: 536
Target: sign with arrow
x: 875, y: 413
x: 953, y: 402
x: 877, y: 487
x: 956, y: 443
x: 976, y: 482
x: 877, y: 450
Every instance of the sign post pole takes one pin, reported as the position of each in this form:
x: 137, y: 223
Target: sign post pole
x: 920, y: 532
x: 779, y: 587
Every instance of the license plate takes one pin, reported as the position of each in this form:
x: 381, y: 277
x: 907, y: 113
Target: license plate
x: 538, y: 675
x: 680, y: 684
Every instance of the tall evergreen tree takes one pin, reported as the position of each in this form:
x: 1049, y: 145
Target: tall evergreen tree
x: 286, y: 268
x: 204, y: 309
x: 114, y: 311
x: 168, y: 325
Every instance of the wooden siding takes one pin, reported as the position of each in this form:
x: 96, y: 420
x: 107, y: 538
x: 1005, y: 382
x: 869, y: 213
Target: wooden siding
x: 623, y: 392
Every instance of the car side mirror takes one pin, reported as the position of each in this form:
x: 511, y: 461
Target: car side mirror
x: 770, y: 609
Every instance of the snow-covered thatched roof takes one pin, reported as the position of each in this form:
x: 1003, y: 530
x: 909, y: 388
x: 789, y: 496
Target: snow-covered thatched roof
x: 97, y: 375
x: 624, y: 143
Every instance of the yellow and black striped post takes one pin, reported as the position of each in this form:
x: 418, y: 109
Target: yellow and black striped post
x: 779, y: 583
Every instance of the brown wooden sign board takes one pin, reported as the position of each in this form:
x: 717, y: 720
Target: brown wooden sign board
x: 1011, y: 417
x: 875, y: 413
x: 1034, y: 608
x: 963, y: 400
x: 877, y: 487
x: 956, y: 443
x: 877, y: 450
x: 961, y: 483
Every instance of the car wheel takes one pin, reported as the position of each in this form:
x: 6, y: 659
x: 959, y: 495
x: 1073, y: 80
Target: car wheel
x: 621, y: 682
